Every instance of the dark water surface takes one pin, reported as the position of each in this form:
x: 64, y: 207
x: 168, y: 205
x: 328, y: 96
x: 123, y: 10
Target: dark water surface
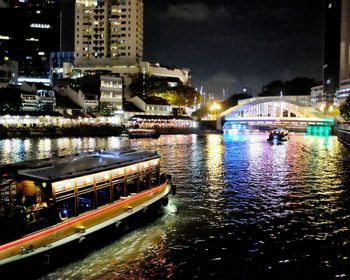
x: 246, y: 209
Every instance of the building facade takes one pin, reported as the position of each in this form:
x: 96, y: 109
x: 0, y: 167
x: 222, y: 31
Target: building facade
x: 345, y: 41
x: 344, y: 72
x: 336, y: 68
x: 108, y: 32
x: 331, y: 49
x: 29, y: 32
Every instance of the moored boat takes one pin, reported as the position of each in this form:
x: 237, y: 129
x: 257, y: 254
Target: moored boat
x: 48, y: 203
x: 278, y: 135
x: 135, y: 133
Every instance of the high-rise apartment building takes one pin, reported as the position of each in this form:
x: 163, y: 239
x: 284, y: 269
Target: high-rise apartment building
x: 331, y: 50
x: 344, y: 71
x: 108, y: 32
x: 345, y: 41
x: 336, y: 66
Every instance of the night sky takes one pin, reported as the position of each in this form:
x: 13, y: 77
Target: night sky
x: 235, y: 43
x: 230, y: 44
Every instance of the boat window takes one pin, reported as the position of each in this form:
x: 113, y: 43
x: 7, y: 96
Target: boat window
x: 131, y: 186
x: 154, y: 178
x: 103, y: 184
x: 85, y: 199
x: 65, y: 208
x: 145, y: 182
x: 8, y: 194
x: 65, y: 195
x: 118, y: 190
x: 103, y: 196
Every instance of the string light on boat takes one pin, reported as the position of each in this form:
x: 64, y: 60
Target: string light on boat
x: 88, y: 180
x: 131, y: 169
x: 118, y: 172
x: 106, y: 176
x: 68, y: 185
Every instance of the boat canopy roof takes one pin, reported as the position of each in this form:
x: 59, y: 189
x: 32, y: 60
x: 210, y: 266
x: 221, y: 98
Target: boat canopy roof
x: 71, y: 166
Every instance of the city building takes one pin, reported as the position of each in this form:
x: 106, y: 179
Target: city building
x: 108, y: 32
x: 331, y: 49
x: 28, y: 97
x: 318, y: 100
x: 154, y: 106
x: 61, y: 64
x: 111, y: 92
x: 336, y: 68
x: 344, y: 87
x: 8, y: 73
x: 109, y: 37
x: 89, y: 92
x: 29, y: 32
x: 345, y: 41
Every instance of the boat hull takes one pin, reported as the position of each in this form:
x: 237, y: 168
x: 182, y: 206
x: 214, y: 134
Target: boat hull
x: 77, y: 228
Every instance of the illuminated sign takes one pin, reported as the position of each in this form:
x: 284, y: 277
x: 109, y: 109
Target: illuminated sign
x: 4, y: 37
x: 40, y: 25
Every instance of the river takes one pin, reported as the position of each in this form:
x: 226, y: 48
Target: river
x: 244, y: 209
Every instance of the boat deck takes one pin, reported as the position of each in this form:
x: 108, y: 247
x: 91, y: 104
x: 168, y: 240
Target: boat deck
x: 79, y: 164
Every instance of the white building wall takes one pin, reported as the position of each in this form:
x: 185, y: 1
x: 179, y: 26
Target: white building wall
x: 112, y: 91
x: 79, y: 98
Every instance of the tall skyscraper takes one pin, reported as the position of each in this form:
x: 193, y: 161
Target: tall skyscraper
x: 29, y: 32
x: 108, y: 32
x: 345, y: 41
x: 331, y: 50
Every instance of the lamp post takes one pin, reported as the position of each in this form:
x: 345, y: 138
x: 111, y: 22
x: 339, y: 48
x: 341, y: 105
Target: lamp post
x: 214, y: 108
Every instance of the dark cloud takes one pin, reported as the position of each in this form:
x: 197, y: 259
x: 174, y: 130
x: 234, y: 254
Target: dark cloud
x: 189, y: 12
x: 195, y: 11
x: 221, y: 80
x: 252, y: 41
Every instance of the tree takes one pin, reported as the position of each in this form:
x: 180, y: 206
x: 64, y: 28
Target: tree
x: 297, y: 86
x: 274, y: 88
x: 105, y: 109
x: 180, y: 96
x: 148, y: 84
x: 10, y: 100
x: 200, y: 113
x: 345, y: 109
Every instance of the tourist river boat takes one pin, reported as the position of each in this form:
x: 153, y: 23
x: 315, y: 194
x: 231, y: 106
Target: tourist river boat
x: 278, y: 135
x: 135, y: 133
x: 50, y: 202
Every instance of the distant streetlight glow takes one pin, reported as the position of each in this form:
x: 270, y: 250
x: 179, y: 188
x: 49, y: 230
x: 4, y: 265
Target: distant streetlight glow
x: 214, y: 108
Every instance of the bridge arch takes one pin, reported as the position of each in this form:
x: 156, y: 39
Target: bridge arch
x: 296, y: 104
x: 274, y: 108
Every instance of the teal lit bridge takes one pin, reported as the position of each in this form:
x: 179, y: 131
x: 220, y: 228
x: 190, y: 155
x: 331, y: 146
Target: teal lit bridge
x: 292, y: 112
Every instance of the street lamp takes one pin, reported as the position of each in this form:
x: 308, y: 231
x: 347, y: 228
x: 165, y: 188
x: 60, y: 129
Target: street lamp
x: 215, y: 107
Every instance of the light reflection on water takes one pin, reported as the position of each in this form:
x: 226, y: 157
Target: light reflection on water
x: 247, y: 209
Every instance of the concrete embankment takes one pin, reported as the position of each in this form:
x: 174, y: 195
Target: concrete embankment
x: 343, y: 133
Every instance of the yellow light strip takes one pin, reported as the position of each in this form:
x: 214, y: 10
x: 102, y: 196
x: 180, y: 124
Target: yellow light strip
x: 69, y: 184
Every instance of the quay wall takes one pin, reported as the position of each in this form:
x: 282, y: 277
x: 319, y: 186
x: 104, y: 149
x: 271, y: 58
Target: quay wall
x: 343, y: 133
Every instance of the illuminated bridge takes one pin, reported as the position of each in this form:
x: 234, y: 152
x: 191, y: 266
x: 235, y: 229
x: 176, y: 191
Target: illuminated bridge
x: 288, y: 111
